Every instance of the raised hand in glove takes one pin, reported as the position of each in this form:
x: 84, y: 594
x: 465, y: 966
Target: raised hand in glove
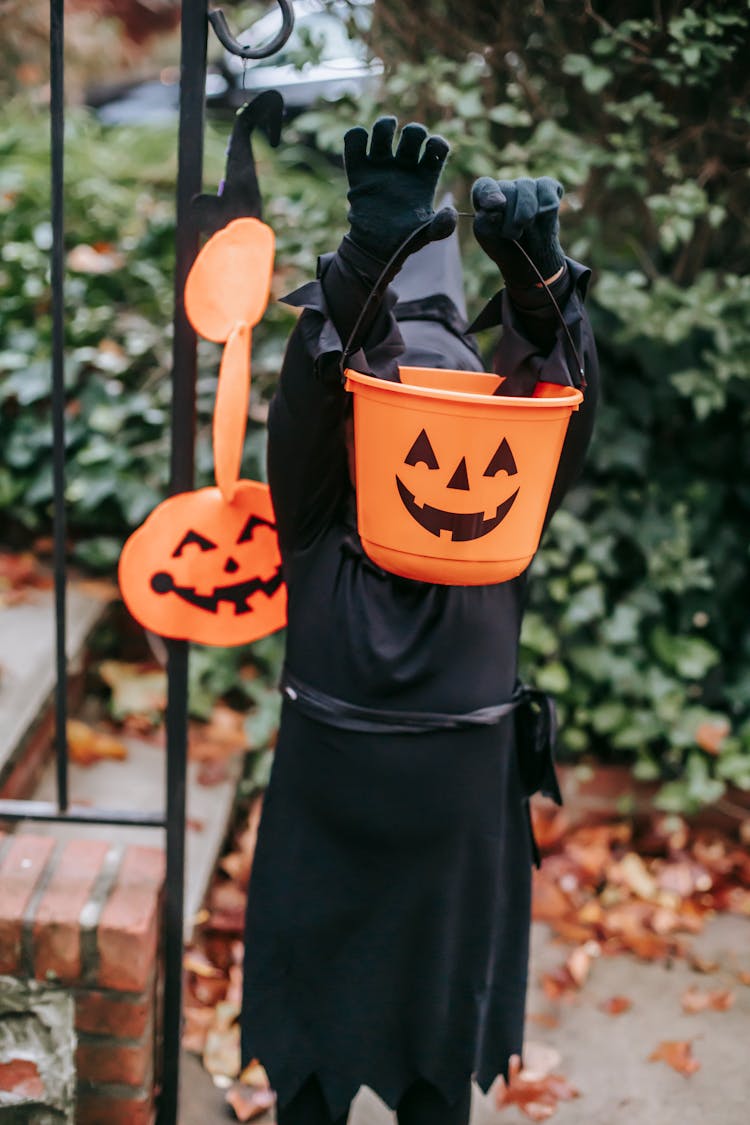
x: 391, y: 195
x: 527, y: 211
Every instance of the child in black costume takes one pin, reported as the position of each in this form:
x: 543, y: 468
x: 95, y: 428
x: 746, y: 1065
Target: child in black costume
x: 388, y: 914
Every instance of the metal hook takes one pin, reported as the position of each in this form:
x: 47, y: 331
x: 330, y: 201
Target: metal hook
x: 219, y: 23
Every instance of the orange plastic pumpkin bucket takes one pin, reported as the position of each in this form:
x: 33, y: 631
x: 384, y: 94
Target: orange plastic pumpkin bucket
x: 452, y: 480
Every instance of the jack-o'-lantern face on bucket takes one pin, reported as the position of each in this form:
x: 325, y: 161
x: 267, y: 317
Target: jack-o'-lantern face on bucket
x: 203, y: 570
x: 460, y: 499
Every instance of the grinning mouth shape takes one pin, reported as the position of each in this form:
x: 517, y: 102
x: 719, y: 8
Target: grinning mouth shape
x: 237, y: 594
x: 463, y: 526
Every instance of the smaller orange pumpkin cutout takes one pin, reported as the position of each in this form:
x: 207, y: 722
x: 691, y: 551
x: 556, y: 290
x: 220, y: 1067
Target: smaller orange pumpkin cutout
x: 206, y: 565
x: 202, y: 570
x: 230, y: 280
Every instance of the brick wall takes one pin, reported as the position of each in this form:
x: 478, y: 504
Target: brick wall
x: 84, y: 916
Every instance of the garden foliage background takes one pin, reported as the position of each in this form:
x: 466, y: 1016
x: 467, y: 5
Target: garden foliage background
x: 640, y: 595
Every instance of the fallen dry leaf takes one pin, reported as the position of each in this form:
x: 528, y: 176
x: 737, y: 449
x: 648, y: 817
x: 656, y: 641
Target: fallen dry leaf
x: 208, y: 991
x: 697, y: 1000
x: 234, y: 991
x: 652, y: 947
x: 536, y: 1098
x: 238, y: 864
x: 255, y: 1075
x: 702, y: 964
x: 194, y: 961
x: 18, y: 575
x: 212, y: 773
x: 578, y: 965
x: 221, y: 1053
x: 632, y: 871
x: 558, y: 983
x: 677, y: 1053
x: 683, y: 878
x: 195, y: 1028
x: 714, y: 850
x: 616, y: 1005
x: 539, y: 1060
x: 711, y: 734
x: 249, y: 1101
x: 551, y: 824
x: 544, y: 1019
x: 548, y: 901
x: 87, y: 745
x: 137, y: 690
x: 670, y: 830
x: 227, y: 898
x: 738, y: 900
x: 220, y: 738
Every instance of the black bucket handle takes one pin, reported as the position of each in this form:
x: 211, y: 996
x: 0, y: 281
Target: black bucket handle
x: 394, y: 264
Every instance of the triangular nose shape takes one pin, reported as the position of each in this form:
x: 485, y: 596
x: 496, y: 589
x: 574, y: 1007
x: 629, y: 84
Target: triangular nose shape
x: 460, y: 478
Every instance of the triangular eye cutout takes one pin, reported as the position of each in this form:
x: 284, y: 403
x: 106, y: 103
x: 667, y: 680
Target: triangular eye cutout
x: 422, y: 451
x: 247, y: 532
x: 503, y: 459
x: 198, y: 540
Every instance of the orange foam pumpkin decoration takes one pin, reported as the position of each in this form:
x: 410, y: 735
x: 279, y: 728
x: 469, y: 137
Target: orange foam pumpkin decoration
x: 453, y: 480
x: 206, y: 566
x: 202, y: 570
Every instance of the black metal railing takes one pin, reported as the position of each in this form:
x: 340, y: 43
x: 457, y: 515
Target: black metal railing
x: 194, y: 32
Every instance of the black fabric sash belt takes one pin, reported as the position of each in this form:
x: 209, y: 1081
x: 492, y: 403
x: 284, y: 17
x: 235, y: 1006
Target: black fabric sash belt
x: 379, y: 720
x: 535, y: 729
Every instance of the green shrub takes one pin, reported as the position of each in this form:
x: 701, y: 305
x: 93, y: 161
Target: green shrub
x: 639, y: 596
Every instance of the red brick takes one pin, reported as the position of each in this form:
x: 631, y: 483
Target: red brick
x: 111, y: 1062
x: 128, y: 929
x: 93, y: 1108
x: 57, y: 942
x: 102, y: 1013
x: 21, y: 1077
x: 19, y: 874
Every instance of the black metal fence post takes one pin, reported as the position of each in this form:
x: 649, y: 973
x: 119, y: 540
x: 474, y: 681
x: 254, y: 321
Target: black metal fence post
x: 189, y: 179
x: 57, y: 277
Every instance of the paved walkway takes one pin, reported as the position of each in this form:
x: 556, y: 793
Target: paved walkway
x: 606, y: 1057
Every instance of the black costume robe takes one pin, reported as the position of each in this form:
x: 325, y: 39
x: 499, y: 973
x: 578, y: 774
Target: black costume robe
x: 389, y: 907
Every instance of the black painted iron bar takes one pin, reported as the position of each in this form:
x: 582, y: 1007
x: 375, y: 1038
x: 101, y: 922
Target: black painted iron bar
x: 78, y: 814
x: 57, y: 264
x: 194, y: 33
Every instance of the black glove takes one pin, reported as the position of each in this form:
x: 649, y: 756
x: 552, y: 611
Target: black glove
x: 391, y: 196
x: 527, y: 211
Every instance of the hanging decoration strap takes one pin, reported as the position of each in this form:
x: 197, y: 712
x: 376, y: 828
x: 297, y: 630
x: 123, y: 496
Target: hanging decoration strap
x: 218, y: 22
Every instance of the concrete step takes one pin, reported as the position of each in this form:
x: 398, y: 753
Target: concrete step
x: 138, y: 783
x: 27, y: 769
x: 28, y: 676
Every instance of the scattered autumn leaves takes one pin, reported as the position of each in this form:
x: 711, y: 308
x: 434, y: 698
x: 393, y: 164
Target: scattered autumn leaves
x: 137, y: 703
x: 605, y: 888
x: 535, y: 1088
x: 213, y: 976
x: 608, y: 889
